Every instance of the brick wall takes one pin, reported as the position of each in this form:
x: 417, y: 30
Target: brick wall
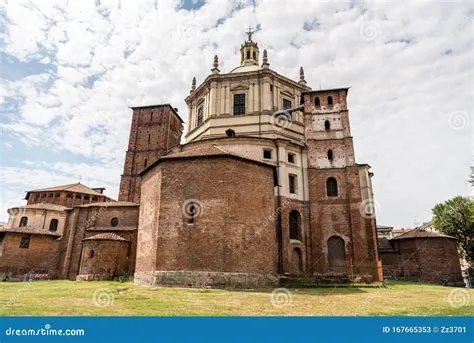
x: 87, y: 221
x: 104, y: 258
x: 433, y: 260
x: 154, y: 130
x: 230, y: 233
x: 40, y: 256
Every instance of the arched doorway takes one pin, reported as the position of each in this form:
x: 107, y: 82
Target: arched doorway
x: 336, y: 255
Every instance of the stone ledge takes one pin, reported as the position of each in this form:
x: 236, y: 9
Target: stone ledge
x: 198, y: 279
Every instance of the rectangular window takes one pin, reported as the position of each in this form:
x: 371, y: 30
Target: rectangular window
x: 291, y: 158
x: 287, y: 104
x: 292, y: 183
x: 25, y: 242
x: 200, y: 115
x: 267, y: 154
x: 239, y: 104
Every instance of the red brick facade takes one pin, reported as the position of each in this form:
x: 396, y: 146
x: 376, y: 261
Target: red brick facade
x: 232, y: 197
x: 153, y: 132
x: 432, y: 259
x: 340, y: 215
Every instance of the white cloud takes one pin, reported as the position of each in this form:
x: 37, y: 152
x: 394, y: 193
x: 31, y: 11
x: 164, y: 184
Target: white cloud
x: 408, y: 66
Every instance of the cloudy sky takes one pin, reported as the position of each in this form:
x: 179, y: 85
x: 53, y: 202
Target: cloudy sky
x: 70, y: 70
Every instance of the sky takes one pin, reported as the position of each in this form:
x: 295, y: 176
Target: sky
x: 70, y: 70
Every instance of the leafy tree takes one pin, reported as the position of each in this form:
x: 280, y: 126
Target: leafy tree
x: 455, y: 217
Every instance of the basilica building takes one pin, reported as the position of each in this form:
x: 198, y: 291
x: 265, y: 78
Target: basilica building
x: 266, y: 186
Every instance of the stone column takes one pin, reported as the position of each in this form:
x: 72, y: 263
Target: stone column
x: 212, y: 99
x: 266, y: 101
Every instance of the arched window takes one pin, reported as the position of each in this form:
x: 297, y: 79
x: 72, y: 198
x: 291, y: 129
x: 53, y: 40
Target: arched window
x: 91, y: 253
x: 114, y: 221
x: 23, y: 221
x: 53, y: 225
x: 149, y: 138
x: 151, y: 116
x: 327, y: 125
x: 294, y: 219
x: 317, y: 102
x: 336, y: 255
x: 248, y: 55
x: 330, y: 101
x: 145, y: 163
x: 254, y: 55
x: 330, y: 155
x: 301, y: 99
x: 331, y: 187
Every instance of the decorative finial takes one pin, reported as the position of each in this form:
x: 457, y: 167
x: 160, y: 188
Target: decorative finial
x: 193, y: 85
x: 215, y: 70
x: 302, y: 81
x: 265, y: 63
x: 250, y: 33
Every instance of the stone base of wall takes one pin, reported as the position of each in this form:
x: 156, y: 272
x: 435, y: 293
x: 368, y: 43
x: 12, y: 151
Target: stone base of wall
x: 206, y: 279
x: 94, y: 277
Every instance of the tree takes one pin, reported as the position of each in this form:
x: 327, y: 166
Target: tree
x: 455, y: 217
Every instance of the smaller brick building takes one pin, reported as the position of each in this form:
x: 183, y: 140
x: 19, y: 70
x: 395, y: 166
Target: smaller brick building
x: 421, y: 255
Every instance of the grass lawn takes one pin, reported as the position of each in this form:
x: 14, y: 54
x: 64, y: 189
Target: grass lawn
x: 113, y: 298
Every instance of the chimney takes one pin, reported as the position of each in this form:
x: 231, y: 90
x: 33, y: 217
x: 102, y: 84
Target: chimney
x: 99, y: 190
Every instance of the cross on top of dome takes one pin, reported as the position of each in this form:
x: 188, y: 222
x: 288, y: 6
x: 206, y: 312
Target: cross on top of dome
x: 250, y: 33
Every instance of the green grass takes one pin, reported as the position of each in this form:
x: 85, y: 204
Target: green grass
x: 67, y: 298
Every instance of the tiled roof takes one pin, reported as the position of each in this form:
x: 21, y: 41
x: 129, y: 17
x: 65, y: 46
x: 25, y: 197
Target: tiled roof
x: 420, y: 233
x: 105, y: 236
x: 383, y: 227
x: 109, y: 228
x: 29, y: 230
x: 44, y: 206
x: 205, y: 151
x: 426, y: 225
x: 110, y: 204
x: 73, y: 187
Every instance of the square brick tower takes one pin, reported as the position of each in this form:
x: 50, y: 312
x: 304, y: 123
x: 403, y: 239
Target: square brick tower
x: 341, y: 205
x: 154, y: 131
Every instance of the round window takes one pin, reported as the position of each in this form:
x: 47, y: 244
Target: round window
x: 114, y: 221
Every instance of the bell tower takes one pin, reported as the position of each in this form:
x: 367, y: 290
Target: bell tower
x: 249, y: 51
x: 153, y: 132
x: 340, y: 190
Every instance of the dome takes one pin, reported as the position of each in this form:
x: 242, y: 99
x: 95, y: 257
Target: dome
x: 244, y: 69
